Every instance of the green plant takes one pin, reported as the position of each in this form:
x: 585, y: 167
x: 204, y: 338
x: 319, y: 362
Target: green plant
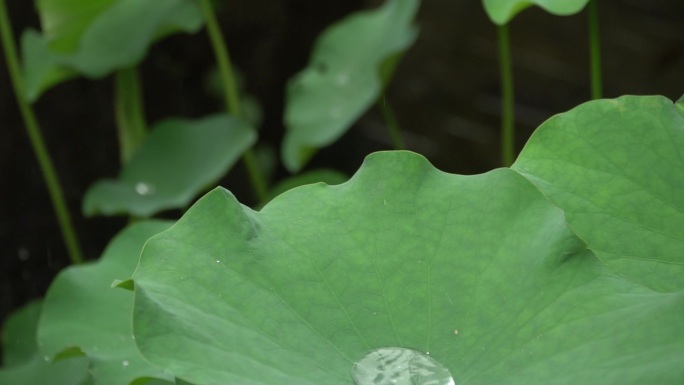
x: 564, y: 268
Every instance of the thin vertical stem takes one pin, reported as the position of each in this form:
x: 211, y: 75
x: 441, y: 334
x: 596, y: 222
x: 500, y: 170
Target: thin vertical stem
x: 392, y: 124
x: 130, y: 114
x: 231, y: 92
x: 595, y: 51
x: 507, y: 98
x: 36, y: 139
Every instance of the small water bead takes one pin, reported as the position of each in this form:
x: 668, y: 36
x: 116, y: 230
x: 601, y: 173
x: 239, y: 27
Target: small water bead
x: 143, y: 188
x: 125, y: 363
x: 399, y: 366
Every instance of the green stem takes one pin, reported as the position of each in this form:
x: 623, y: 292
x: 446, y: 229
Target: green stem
x: 37, y: 142
x: 130, y: 114
x: 231, y: 93
x: 595, y: 51
x: 392, y: 125
x: 507, y: 98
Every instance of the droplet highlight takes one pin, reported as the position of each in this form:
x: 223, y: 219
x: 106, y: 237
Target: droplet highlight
x: 125, y: 363
x: 400, y: 366
x: 143, y: 188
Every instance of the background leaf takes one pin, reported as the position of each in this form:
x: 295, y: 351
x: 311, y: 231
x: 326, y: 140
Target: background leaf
x: 483, y: 272
x: 24, y: 364
x: 616, y: 167
x: 343, y: 77
x: 177, y: 161
x: 503, y: 11
x: 95, y: 38
x: 84, y: 312
x: 19, y: 334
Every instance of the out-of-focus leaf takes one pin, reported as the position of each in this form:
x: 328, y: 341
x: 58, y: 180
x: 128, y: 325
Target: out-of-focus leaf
x: 93, y: 38
x: 25, y: 365
x: 503, y: 11
x: 84, y: 312
x: 343, y: 78
x: 19, y: 334
x: 178, y: 160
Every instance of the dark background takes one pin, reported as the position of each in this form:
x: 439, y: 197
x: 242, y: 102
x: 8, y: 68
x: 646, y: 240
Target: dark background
x: 445, y: 93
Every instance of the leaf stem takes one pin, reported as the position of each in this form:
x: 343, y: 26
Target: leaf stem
x: 392, y: 124
x: 507, y: 98
x: 595, y: 51
x: 130, y: 113
x: 36, y: 139
x: 232, y: 100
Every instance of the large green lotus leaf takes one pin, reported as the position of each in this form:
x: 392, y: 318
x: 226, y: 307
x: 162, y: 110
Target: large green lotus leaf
x: 96, y: 37
x: 24, y: 364
x: 82, y: 312
x: 503, y: 11
x: 616, y: 167
x: 343, y: 78
x: 482, y: 272
x: 177, y: 161
x: 326, y: 176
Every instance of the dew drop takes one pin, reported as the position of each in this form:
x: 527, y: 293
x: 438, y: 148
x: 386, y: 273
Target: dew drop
x: 125, y: 363
x: 218, y: 261
x: 399, y: 366
x: 143, y: 188
x: 46, y: 358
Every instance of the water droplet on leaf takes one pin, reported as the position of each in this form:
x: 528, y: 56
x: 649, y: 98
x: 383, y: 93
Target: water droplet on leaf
x: 143, y: 188
x: 125, y: 363
x: 399, y: 366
